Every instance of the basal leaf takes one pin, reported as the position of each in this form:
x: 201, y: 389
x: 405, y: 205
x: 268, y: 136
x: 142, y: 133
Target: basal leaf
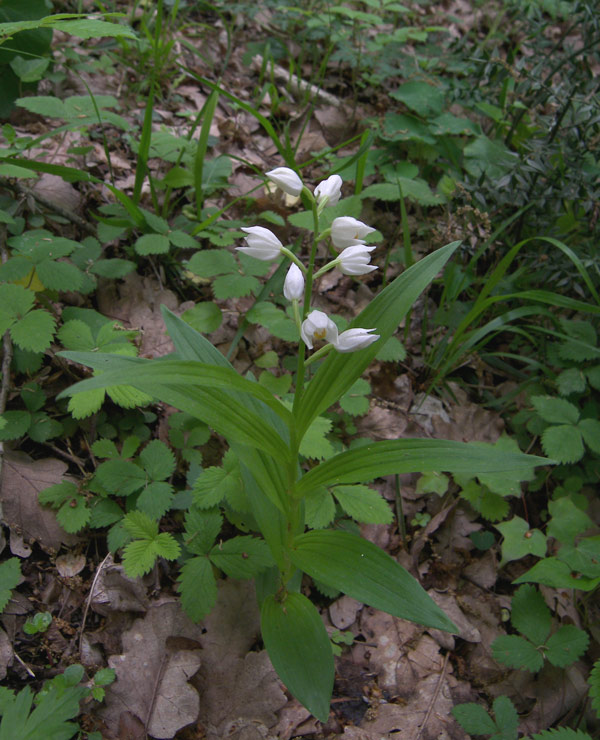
x: 242, y: 557
x: 319, y: 508
x: 201, y: 529
x: 474, y: 719
x: 120, y: 477
x: 74, y: 514
x: 520, y: 540
x: 198, y: 587
x: 34, y: 331
x: 517, y: 652
x: 158, y: 460
x: 360, y: 569
x: 566, y: 645
x: 568, y: 521
x: 363, y: 504
x: 156, y: 499
x: 530, y: 615
x: 61, y: 276
x: 563, y: 442
x: 556, y: 574
x: 300, y: 650
x: 555, y: 410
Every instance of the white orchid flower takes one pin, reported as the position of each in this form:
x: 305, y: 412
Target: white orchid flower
x: 293, y: 287
x: 317, y: 326
x: 354, y: 339
x: 262, y: 244
x: 346, y: 231
x: 286, y: 179
x: 329, y: 191
x: 355, y: 260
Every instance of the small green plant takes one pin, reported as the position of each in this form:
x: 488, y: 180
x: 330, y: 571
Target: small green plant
x: 10, y: 575
x: 264, y: 481
x: 38, y: 623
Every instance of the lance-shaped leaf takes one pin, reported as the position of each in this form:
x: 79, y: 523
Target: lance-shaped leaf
x: 299, y: 648
x: 360, y: 569
x: 339, y: 371
x: 413, y: 456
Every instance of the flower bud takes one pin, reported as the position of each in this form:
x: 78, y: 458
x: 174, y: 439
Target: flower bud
x: 329, y: 191
x: 355, y: 260
x: 354, y: 339
x: 262, y: 244
x: 346, y: 231
x: 293, y: 287
x: 286, y: 179
x: 316, y: 326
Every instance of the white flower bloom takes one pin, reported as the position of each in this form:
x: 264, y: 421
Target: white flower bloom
x: 329, y: 191
x: 286, y: 179
x: 317, y: 325
x: 262, y: 244
x: 355, y: 339
x: 354, y: 260
x: 346, y: 231
x: 293, y: 288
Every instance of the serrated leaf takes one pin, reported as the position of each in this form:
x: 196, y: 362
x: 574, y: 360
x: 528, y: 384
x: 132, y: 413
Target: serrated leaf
x: 562, y: 733
x: 15, y: 300
x: 517, y: 652
x: 139, y: 525
x: 198, y: 588
x: 86, y: 403
x: 74, y: 514
x: 204, y: 317
x: 43, y: 427
x: 566, y: 645
x: 315, y: 443
x: 76, y: 335
x: 593, y: 376
x: 128, y: 397
x: 571, y: 380
x: 568, y: 521
x: 590, y: 430
x: 530, y: 615
x: 563, y: 443
x: 556, y: 574
x: 61, y: 276
x: 156, y: 499
x: 213, y: 485
x: 507, y: 483
x: 520, y: 540
x: 363, y: 504
x: 139, y: 557
x: 158, y: 460
x: 10, y: 575
x: 491, y: 506
x: 120, y: 477
x: 167, y: 546
x: 202, y: 528
x: 34, y: 331
x: 392, y: 351
x: 555, y: 410
x: 104, y: 512
x: 105, y: 448
x: 152, y: 244
x: 507, y: 718
x: 16, y: 424
x: 114, y: 269
x: 319, y: 508
x: 242, y: 557
x: 594, y: 681
x: 235, y: 286
x: 474, y: 719
x: 273, y: 319
x: 212, y: 262
x: 56, y: 495
x: 354, y: 401
x: 432, y: 483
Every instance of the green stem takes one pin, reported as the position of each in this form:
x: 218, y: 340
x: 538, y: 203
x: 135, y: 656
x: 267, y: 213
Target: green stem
x: 318, y: 354
x: 288, y: 253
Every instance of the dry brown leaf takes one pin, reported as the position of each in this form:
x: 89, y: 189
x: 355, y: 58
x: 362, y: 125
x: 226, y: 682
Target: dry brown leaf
x: 70, y: 564
x: 152, y: 678
x: 22, y: 480
x: 6, y: 654
x: 343, y: 612
x: 115, y: 591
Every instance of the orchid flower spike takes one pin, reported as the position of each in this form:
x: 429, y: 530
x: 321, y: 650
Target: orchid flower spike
x: 329, y: 191
x: 286, y: 179
x: 316, y: 326
x: 262, y: 244
x: 293, y: 287
x: 355, y: 260
x: 346, y: 231
x: 352, y: 340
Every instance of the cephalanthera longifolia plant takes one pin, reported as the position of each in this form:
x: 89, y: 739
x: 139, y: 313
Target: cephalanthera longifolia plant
x: 265, y: 434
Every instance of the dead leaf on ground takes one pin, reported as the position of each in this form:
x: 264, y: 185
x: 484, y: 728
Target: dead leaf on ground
x: 22, y: 480
x: 6, y: 654
x: 115, y: 591
x: 152, y: 678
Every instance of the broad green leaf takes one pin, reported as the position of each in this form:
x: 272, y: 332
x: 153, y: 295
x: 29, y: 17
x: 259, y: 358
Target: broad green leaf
x: 74, y: 514
x: 556, y: 574
x: 61, y: 276
x: 566, y: 645
x: 235, y: 286
x: 300, y: 650
x: 203, y: 317
x: 555, y: 410
x: 590, y: 430
x: 315, y: 443
x: 139, y: 557
x: 360, y: 569
x: 76, y: 335
x: 355, y: 401
x: 363, y: 504
x: 339, y: 371
x: 212, y: 262
x: 570, y: 381
x: 530, y: 615
x: 273, y: 319
x: 507, y: 718
x: 242, y: 557
x: 517, y: 652
x: 474, y: 719
x: 562, y: 733
x: 158, y: 460
x: 198, y: 588
x: 86, y: 403
x: 413, y: 456
x: 152, y: 244
x: 34, y: 331
x: 120, y: 477
x: 140, y: 525
x: 568, y: 521
x: 105, y: 448
x: 507, y: 483
x: 213, y: 485
x: 15, y: 300
x: 520, y: 540
x: 563, y: 443
x: 594, y: 681
x: 432, y: 483
x: 319, y: 508
x: 156, y: 499
x: 201, y: 529
x: 423, y: 98
x: 10, y: 575
x: 17, y: 424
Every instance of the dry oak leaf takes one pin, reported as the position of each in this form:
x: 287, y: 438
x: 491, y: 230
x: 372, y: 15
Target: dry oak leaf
x: 22, y: 480
x: 152, y: 677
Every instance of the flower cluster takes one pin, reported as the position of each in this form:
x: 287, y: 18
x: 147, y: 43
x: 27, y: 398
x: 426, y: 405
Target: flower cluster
x: 348, y: 238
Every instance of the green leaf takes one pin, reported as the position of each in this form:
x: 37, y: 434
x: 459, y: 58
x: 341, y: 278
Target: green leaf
x: 555, y: 410
x: 105, y: 448
x: 120, y: 477
x: 392, y: 351
x: 520, y: 540
x: 212, y: 262
x: 198, y: 588
x: 354, y: 401
x: 315, y: 443
x: 139, y: 557
x: 300, y: 650
x: 152, y: 244
x: 566, y: 645
x: 530, y: 615
x: 507, y: 483
x: 474, y: 719
x: 570, y: 381
x: 235, y: 286
x: 156, y: 499
x: 363, y: 504
x: 242, y: 557
x: 113, y: 268
x: 432, y: 483
x: 594, y: 681
x: 389, y: 457
x: 86, y: 403
x: 201, y: 529
x: 10, y: 575
x: 140, y: 525
x: 273, y: 319
x: 517, y: 652
x: 562, y: 733
x: 76, y: 335
x: 158, y: 460
x: 214, y: 483
x: 424, y: 99
x: 34, y: 331
x: 203, y: 317
x: 563, y: 443
x: 507, y: 719
x: 61, y: 276
x: 403, y: 187
x: 49, y: 717
x: 319, y: 508
x: 17, y: 424
x: 360, y: 569
x: 16, y: 300
x: 74, y: 514
x: 568, y: 521
x: 590, y: 430
x: 556, y: 574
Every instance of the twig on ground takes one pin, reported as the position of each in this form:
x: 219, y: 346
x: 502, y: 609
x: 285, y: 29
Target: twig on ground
x: 434, y: 697
x: 89, y: 600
